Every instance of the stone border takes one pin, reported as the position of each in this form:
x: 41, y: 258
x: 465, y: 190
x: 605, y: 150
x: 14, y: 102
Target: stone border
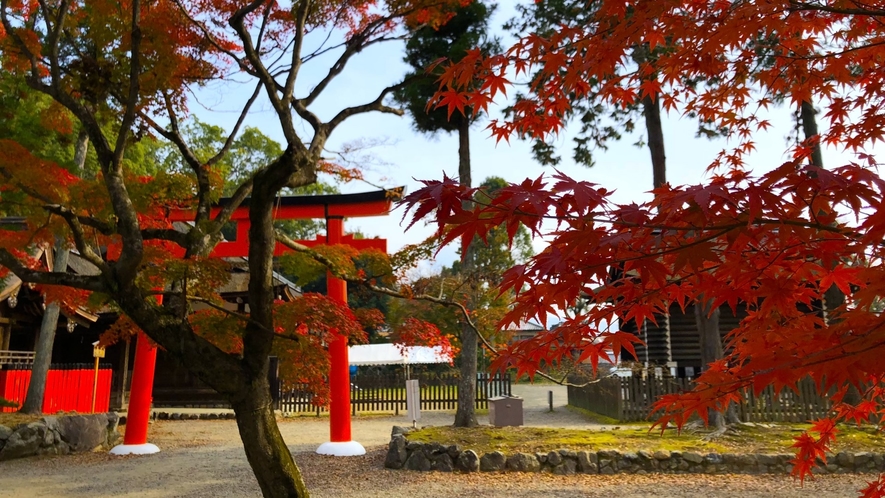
x: 193, y: 416
x: 59, y: 435
x: 411, y: 455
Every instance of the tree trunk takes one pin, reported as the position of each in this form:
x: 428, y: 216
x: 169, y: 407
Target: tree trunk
x: 707, y: 321
x: 833, y: 297
x: 43, y: 352
x: 465, y: 415
x: 651, y: 109
x: 809, y: 127
x: 270, y: 459
x: 80, y: 149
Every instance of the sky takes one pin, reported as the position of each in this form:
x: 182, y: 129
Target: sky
x: 402, y: 156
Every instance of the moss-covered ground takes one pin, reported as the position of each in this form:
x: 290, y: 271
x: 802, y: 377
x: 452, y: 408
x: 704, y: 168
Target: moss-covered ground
x: 768, y: 438
x: 14, y: 419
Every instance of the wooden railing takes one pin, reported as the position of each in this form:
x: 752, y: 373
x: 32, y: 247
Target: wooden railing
x: 371, y: 393
x: 17, y: 357
x: 631, y: 399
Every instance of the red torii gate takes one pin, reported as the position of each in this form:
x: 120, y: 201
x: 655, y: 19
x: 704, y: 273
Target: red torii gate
x: 333, y: 208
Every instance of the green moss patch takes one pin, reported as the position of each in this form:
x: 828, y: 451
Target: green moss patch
x: 597, y: 418
x: 768, y: 439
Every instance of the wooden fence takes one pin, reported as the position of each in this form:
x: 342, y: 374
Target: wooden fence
x: 370, y: 393
x: 16, y: 357
x: 631, y: 398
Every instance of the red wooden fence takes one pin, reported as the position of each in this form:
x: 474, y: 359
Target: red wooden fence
x: 68, y: 390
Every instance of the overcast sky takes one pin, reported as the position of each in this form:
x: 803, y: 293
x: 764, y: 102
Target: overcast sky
x: 408, y: 156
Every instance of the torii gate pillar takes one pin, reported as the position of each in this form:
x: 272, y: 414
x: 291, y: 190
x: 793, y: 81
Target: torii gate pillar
x: 341, y: 443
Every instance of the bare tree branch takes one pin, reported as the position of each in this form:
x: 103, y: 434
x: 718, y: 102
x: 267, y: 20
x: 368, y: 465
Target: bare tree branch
x: 230, y: 138
x: 300, y: 21
x: 353, y: 46
x: 134, y: 86
x: 375, y: 105
x: 237, y: 21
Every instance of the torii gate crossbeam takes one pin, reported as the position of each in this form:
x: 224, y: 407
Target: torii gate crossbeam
x: 332, y: 208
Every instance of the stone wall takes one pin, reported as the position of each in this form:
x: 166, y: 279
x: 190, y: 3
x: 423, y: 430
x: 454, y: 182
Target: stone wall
x: 59, y: 435
x: 194, y: 416
x: 410, y: 455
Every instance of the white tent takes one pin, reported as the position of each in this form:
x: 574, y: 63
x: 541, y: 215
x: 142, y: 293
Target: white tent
x: 390, y: 354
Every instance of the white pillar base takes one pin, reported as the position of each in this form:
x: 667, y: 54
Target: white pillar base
x: 135, y: 449
x: 347, y: 448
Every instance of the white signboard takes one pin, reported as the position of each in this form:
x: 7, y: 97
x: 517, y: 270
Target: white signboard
x: 413, y: 400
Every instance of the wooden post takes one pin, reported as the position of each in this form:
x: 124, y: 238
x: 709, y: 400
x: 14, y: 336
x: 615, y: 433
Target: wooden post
x: 97, y: 352
x: 6, y: 330
x: 123, y: 402
x: 5, y: 333
x: 95, y: 385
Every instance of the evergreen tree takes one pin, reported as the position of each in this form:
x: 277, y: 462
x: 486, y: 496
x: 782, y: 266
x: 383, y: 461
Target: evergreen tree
x: 467, y: 30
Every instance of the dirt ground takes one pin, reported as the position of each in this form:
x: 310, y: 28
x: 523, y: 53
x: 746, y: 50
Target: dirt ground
x: 206, y: 459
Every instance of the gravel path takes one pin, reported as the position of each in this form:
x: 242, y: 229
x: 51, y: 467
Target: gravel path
x: 206, y: 459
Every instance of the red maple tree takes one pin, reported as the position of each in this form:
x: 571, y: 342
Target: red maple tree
x: 781, y: 243
x: 121, y: 70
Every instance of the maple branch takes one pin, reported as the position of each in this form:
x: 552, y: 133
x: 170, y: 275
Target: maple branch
x: 127, y: 266
x: 87, y: 282
x: 208, y: 36
x: 53, y: 38
x: 104, y: 228
x: 308, y: 116
x: 80, y: 241
x: 264, y: 19
x: 173, y: 134
x: 134, y: 86
x: 34, y: 80
x: 599, y: 217
x: 322, y: 49
x: 234, y: 201
x: 805, y: 6
x: 211, y: 304
x: 30, y: 192
x: 295, y: 246
x: 22, y: 46
x: 242, y: 317
x: 170, y: 234
x: 353, y: 46
x: 743, y: 380
x: 375, y: 105
x: 204, y: 203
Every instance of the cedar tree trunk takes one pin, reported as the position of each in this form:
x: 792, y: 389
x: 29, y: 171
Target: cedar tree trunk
x: 707, y: 321
x: 833, y: 297
x: 43, y: 351
x: 651, y: 109
x: 809, y: 127
x: 465, y: 415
